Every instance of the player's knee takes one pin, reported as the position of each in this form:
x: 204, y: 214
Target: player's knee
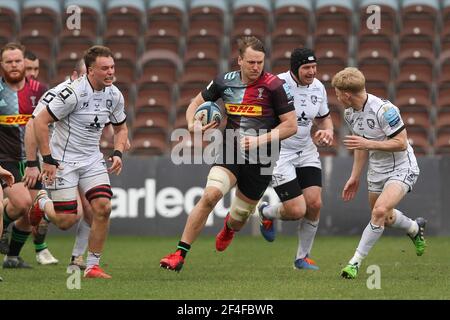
x: 23, y: 205
x: 102, y: 208
x: 314, y: 205
x: 219, y: 179
x: 379, y: 212
x: 293, y: 211
x: 240, y: 210
x: 67, y: 223
x: 210, y: 198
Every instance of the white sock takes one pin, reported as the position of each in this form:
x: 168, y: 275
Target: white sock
x: 306, y: 232
x: 370, y: 235
x: 405, y: 223
x: 272, y: 212
x: 93, y: 259
x: 81, y: 240
x: 42, y: 202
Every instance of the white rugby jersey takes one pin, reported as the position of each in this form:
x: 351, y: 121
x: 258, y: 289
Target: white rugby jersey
x: 46, y: 98
x: 310, y: 102
x: 81, y: 114
x: 380, y: 120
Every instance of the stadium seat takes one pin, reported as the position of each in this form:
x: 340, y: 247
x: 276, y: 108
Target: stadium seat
x: 388, y: 16
x: 124, y: 18
x: 164, y: 24
x: 416, y: 120
x: 443, y: 120
x: 91, y: 18
x: 375, y: 66
x: 419, y: 141
x: 64, y: 69
x: 332, y: 19
x: 124, y: 49
x: 200, y: 71
x: 40, y: 23
x: 187, y: 92
x: 378, y: 88
x: 250, y: 17
x: 203, y: 47
x: 443, y: 96
x: 336, y: 117
x: 442, y: 143
x: 180, y: 121
x: 413, y: 95
x: 291, y: 26
x: 9, y: 15
x: 72, y: 48
x: 126, y: 89
x: 333, y: 103
x: 326, y: 72
x: 281, y: 64
x: 155, y: 121
x: 159, y: 66
x: 125, y: 70
x: 418, y: 24
x: 40, y: 18
x: 415, y: 65
x: 445, y: 31
x: 444, y: 67
x: 206, y: 18
x: 153, y: 97
x: 144, y: 143
x: 333, y: 27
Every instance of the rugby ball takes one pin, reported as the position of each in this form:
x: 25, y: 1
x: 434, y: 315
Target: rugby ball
x: 208, y: 112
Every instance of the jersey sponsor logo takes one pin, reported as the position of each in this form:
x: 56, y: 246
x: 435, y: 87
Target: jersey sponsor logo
x: 287, y: 89
x: 303, y: 120
x: 15, y: 119
x: 228, y: 92
x: 230, y: 75
x: 243, y: 110
x: 391, y: 116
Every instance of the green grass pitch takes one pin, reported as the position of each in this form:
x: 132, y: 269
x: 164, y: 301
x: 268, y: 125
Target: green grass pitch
x: 249, y: 269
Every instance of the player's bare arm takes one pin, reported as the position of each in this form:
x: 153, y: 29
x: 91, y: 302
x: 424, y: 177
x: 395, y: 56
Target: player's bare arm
x: 120, y: 143
x: 32, y: 172
x: 6, y: 176
x: 325, y: 135
x: 285, y: 129
x: 195, y: 125
x: 351, y: 186
x: 41, y: 123
x: 396, y: 143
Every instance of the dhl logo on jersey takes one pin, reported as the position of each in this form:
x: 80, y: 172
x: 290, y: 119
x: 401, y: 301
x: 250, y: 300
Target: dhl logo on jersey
x: 243, y: 110
x: 20, y: 119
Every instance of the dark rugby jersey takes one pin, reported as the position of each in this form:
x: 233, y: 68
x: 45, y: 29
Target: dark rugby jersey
x: 251, y: 109
x: 15, y: 111
x: 254, y: 106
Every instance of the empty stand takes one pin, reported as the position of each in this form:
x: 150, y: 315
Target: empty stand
x: 291, y: 26
x: 164, y: 24
x: 149, y: 143
x: 9, y: 15
x: 159, y: 66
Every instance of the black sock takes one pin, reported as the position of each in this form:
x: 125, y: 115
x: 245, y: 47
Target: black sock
x: 18, y: 239
x: 184, y: 248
